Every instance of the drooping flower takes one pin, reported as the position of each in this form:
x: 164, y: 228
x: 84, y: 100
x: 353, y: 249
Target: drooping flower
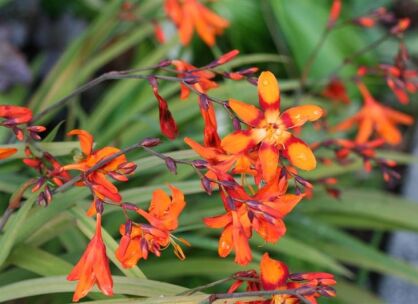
x: 139, y: 239
x: 93, y: 267
x: 375, y: 117
x: 15, y: 115
x: 168, y: 125
x: 117, y: 168
x: 191, y: 15
x: 270, y: 129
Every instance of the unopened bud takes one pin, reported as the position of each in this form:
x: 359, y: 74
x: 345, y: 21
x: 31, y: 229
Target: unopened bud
x: 129, y: 206
x: 99, y: 206
x: 171, y: 165
x: 150, y: 142
x: 164, y: 63
x: 206, y: 184
x: 128, y: 227
x: 200, y: 163
x: 204, y: 101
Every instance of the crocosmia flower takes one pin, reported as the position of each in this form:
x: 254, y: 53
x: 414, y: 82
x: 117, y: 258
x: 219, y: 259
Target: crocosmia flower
x: 269, y: 131
x: 191, y: 15
x: 93, y: 267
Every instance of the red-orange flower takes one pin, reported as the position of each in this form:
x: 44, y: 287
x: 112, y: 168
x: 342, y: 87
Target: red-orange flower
x: 140, y: 239
x: 117, y: 168
x: 93, y: 267
x: 190, y: 15
x: 374, y: 116
x: 262, y: 212
x: 271, y: 130
x: 15, y: 115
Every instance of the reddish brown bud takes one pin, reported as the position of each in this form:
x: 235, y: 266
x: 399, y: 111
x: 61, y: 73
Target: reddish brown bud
x: 171, y: 165
x: 206, y: 184
x: 129, y: 206
x: 150, y: 142
x: 236, y: 124
x: 200, y: 163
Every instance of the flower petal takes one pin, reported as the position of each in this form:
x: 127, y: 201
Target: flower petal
x: 85, y: 138
x: 249, y: 114
x: 240, y: 141
x: 6, y: 152
x: 273, y: 273
x: 269, y: 96
x: 269, y: 159
x: 297, y: 116
x: 299, y: 154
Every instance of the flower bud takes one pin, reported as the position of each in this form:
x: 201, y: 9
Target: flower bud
x: 171, y: 165
x: 150, y: 142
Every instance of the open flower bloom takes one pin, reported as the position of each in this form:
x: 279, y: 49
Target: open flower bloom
x: 262, y: 212
x: 271, y: 130
x: 117, y: 168
x: 140, y: 239
x: 93, y: 267
x: 190, y: 15
x: 374, y: 116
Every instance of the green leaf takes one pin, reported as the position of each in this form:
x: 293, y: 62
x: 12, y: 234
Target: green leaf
x: 7, y: 240
x: 57, y: 284
x: 51, y: 136
x: 378, y: 206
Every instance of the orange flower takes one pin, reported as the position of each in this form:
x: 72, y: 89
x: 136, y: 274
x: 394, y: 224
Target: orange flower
x: 118, y: 168
x: 15, y: 115
x: 190, y: 15
x: 93, y: 267
x: 6, y: 152
x: 374, y: 116
x: 140, y: 239
x: 336, y: 91
x: 270, y: 129
x: 262, y: 212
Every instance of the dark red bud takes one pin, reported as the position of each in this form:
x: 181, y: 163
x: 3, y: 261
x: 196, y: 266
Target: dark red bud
x: 204, y: 101
x: 164, y: 63
x: 128, y: 227
x: 129, y: 206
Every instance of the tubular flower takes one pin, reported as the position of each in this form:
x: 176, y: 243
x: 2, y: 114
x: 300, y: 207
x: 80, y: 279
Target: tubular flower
x: 190, y: 15
x: 270, y: 130
x: 262, y: 212
x: 374, y: 116
x: 117, y: 168
x: 162, y: 217
x: 93, y: 267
